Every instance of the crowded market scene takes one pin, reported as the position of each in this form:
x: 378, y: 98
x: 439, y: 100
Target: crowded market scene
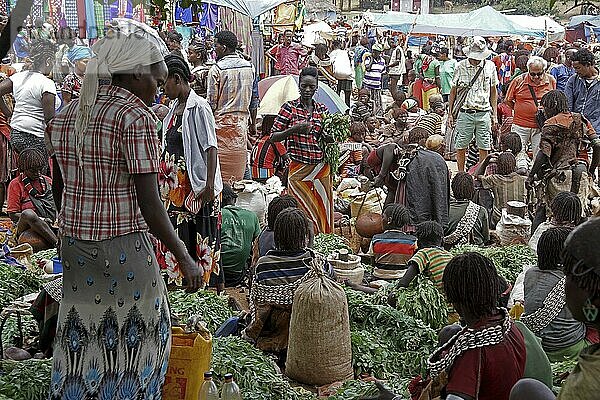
x: 313, y: 201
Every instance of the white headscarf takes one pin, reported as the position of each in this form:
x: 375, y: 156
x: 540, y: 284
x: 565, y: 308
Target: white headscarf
x: 113, y: 54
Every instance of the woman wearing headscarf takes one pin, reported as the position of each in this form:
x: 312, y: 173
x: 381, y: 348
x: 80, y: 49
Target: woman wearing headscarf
x: 113, y: 331
x: 300, y: 124
x: 78, y: 56
x: 34, y: 94
x: 190, y: 178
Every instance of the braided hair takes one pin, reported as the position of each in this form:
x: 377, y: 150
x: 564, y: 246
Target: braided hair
x: 42, y: 50
x: 418, y: 135
x: 199, y: 48
x: 471, y: 280
x: 507, y: 163
x: 177, y: 66
x: 396, y: 216
x: 554, y: 103
x: 566, y: 208
x: 32, y: 159
x: 429, y: 234
x: 512, y: 141
x: 291, y: 230
x: 550, y: 247
x: 277, y: 205
x: 463, y: 186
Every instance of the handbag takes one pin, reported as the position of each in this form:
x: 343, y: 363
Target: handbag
x: 461, y: 95
x: 540, y: 117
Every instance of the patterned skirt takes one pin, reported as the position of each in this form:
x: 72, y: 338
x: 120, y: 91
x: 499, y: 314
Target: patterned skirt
x: 114, y: 332
x: 312, y: 186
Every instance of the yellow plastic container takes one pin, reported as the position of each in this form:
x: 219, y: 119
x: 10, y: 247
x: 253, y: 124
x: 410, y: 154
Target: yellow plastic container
x: 190, y: 359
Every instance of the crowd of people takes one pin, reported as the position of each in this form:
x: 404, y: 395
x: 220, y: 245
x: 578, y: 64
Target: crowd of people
x: 91, y: 159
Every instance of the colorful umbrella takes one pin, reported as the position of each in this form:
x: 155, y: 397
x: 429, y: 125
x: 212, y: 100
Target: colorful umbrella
x: 276, y: 90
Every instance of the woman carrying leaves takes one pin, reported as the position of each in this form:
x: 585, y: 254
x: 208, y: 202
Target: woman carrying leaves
x: 300, y: 124
x: 189, y: 179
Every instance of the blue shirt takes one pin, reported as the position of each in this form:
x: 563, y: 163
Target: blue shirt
x: 21, y: 47
x: 584, y: 98
x: 562, y: 73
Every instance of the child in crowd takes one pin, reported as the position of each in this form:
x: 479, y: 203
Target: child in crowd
x: 506, y: 184
x: 363, y: 108
x: 266, y: 240
x: 351, y: 156
x: 268, y: 158
x: 30, y: 203
x: 372, y: 124
x: 393, y: 248
x: 414, y: 113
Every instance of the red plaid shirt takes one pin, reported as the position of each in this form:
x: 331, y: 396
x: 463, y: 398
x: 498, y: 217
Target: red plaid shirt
x: 99, y: 200
x: 301, y: 148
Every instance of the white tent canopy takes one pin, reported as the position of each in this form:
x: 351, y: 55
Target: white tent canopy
x: 484, y: 21
x: 556, y: 32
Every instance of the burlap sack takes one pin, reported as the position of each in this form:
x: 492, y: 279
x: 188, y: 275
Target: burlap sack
x: 319, y: 349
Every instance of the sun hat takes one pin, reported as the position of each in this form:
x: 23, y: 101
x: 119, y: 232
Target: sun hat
x: 478, y: 49
x: 377, y: 47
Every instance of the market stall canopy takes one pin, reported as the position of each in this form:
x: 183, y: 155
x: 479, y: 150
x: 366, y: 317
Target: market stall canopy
x: 556, y: 32
x: 484, y: 21
x: 251, y: 8
x: 585, y: 19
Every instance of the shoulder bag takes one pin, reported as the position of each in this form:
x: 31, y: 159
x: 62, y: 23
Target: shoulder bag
x: 461, y: 95
x: 540, y: 117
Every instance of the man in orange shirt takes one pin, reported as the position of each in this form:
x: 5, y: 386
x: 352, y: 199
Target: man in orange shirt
x: 524, y: 96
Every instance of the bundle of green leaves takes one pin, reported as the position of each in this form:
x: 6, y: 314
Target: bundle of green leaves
x: 212, y: 308
x: 25, y: 380
x: 509, y: 260
x: 385, y: 341
x: 328, y: 243
x: 421, y: 300
x: 16, y: 282
x: 254, y: 372
x: 336, y: 127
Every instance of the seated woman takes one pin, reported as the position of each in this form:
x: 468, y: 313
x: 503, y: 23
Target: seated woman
x: 277, y: 276
x: 467, y: 221
x: 30, y: 204
x: 581, y: 263
x: 546, y: 312
x: 486, y: 357
x: 565, y: 211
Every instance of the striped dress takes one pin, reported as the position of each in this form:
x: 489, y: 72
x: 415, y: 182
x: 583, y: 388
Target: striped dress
x: 431, y: 262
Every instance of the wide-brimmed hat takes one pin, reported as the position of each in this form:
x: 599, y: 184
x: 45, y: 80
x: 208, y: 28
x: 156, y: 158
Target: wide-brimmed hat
x: 478, y: 49
x: 377, y: 47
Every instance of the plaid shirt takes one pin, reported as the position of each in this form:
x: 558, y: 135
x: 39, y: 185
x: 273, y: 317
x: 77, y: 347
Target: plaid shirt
x: 301, y: 148
x: 478, y: 97
x: 229, y: 88
x: 99, y: 201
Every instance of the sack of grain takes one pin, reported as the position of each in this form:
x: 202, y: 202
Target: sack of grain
x: 319, y: 349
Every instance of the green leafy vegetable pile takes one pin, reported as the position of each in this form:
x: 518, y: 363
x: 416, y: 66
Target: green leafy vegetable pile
x: 25, y: 380
x: 354, y: 390
x: 11, y: 329
x: 254, y: 372
x: 336, y: 126
x: 385, y: 341
x: 328, y: 243
x: 509, y: 260
x: 43, y: 255
x: 212, y: 308
x: 421, y: 300
x: 16, y: 282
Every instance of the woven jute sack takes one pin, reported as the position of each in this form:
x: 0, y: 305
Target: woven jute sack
x: 319, y: 349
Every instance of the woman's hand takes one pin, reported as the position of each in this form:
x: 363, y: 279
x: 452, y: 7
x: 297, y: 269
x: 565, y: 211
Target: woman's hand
x: 191, y: 273
x: 208, y: 195
x: 303, y: 128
